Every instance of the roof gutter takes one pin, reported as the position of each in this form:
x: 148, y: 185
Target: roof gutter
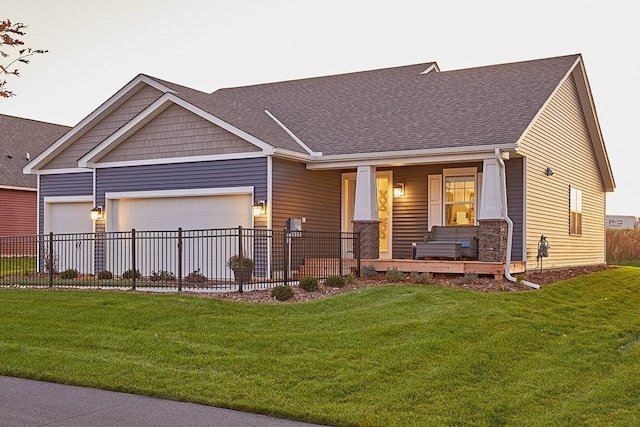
x: 503, y: 194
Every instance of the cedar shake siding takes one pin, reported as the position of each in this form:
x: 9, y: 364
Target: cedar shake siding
x: 73, y: 184
x: 301, y: 193
x: 18, y: 213
x: 102, y: 130
x: 177, y: 132
x: 560, y: 139
x: 181, y: 176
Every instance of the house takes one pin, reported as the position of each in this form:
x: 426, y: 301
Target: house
x: 515, y: 143
x: 20, y: 140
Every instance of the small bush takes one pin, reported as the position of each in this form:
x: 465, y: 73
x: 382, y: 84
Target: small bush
x: 309, y: 284
x: 469, y: 278
x: 105, y: 275
x: 130, y: 274
x: 334, y: 281
x: 282, y: 292
x: 349, y: 278
x: 394, y: 275
x: 195, y: 277
x: 162, y: 276
x: 71, y: 273
x: 421, y: 278
x: 369, y: 270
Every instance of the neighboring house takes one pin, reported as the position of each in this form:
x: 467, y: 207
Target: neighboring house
x: 21, y: 140
x: 622, y: 221
x: 331, y: 149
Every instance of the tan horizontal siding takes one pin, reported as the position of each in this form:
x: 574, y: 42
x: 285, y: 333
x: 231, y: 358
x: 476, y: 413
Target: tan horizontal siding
x: 301, y: 193
x: 560, y: 140
x: 104, y: 128
x: 177, y: 132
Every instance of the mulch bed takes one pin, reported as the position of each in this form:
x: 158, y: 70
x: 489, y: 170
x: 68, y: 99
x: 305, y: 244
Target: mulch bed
x: 479, y: 284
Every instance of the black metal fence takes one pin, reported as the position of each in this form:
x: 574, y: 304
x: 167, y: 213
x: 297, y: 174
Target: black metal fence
x: 233, y: 259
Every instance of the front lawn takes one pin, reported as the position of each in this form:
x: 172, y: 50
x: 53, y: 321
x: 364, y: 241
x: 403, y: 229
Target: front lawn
x: 393, y: 355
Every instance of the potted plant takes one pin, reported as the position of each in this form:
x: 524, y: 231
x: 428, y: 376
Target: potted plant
x: 242, y: 275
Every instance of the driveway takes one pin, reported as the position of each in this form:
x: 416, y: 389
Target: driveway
x: 36, y: 403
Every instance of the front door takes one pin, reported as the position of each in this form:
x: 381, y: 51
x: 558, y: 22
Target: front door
x: 384, y: 183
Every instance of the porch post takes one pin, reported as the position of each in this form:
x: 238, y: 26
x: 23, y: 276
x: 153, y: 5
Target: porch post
x: 492, y: 230
x: 365, y: 213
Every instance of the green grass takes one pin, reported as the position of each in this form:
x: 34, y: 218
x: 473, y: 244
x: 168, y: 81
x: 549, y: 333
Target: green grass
x: 388, y: 356
x: 17, y: 265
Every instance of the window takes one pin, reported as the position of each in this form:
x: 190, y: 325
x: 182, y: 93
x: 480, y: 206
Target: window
x: 460, y: 199
x: 575, y: 211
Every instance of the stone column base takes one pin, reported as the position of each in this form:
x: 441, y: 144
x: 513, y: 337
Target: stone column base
x: 492, y: 240
x: 369, y: 238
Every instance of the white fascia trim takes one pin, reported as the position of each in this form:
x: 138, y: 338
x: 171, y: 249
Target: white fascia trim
x: 433, y: 67
x: 62, y: 171
x: 412, y: 157
x: 93, y: 156
x: 10, y: 187
x: 293, y: 136
x: 140, y: 79
x: 174, y: 160
x: 154, y: 194
x: 292, y: 155
x: 68, y: 199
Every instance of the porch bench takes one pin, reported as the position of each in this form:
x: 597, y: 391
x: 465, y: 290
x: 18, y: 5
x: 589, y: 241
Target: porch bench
x: 449, y: 242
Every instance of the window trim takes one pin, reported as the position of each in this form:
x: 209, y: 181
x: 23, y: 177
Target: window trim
x: 452, y: 172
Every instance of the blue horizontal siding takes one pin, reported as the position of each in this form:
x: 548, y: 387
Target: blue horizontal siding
x: 182, y: 176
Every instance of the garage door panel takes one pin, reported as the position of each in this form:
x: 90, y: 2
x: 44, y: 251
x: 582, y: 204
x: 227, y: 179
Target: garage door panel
x: 73, y: 245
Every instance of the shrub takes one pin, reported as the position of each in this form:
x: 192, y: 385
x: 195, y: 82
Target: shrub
x: 421, y: 278
x: 195, y: 277
x: 469, y: 278
x: 334, y: 281
x: 369, y: 270
x: 349, y: 278
x: 105, y: 275
x: 71, y: 273
x: 130, y: 274
x: 282, y: 292
x: 162, y: 276
x: 309, y: 284
x: 394, y: 275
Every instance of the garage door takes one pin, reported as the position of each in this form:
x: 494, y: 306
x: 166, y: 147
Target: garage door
x: 209, y: 255
x: 190, y: 213
x: 72, y: 226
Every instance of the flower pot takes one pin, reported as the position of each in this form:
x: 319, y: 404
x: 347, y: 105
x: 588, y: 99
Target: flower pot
x: 244, y: 276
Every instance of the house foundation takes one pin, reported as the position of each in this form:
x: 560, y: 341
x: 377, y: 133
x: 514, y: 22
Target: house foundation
x: 492, y: 240
x: 369, y: 238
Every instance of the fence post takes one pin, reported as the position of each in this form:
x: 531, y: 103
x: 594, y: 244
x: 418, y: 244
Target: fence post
x: 240, y: 280
x: 50, y: 263
x: 133, y: 258
x: 340, y: 253
x: 285, y: 261
x: 179, y: 259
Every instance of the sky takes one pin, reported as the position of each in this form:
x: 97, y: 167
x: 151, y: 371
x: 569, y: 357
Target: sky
x: 96, y: 47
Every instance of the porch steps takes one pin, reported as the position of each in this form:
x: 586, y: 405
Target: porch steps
x: 320, y: 267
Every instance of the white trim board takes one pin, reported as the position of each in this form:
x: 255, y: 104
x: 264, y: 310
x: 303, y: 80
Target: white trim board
x: 179, y: 193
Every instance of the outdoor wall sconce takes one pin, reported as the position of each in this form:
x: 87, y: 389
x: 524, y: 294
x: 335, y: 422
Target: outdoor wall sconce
x: 97, y: 213
x: 259, y: 208
x: 548, y: 172
x: 398, y: 190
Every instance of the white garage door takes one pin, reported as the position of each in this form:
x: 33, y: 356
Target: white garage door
x: 73, y: 244
x: 190, y: 213
x: 207, y: 254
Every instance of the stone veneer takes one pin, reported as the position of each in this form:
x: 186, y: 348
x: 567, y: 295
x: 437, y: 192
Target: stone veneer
x: 369, y: 238
x: 492, y: 240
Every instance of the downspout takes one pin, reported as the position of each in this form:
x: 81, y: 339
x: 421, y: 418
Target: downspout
x: 503, y: 193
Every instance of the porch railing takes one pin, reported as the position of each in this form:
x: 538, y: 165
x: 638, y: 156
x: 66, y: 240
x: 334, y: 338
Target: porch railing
x: 177, y: 260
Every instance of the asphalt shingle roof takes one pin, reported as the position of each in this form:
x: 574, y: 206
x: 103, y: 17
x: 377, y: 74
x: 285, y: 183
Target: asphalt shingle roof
x: 18, y: 137
x: 393, y: 109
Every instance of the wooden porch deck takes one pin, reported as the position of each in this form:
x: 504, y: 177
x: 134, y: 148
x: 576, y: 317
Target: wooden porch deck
x: 439, y: 266
x: 319, y: 266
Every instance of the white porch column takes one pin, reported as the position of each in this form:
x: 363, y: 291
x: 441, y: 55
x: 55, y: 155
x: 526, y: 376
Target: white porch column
x: 365, y: 212
x: 491, y: 206
x: 366, y: 204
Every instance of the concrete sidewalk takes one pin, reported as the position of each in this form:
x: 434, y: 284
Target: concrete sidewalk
x: 36, y: 403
